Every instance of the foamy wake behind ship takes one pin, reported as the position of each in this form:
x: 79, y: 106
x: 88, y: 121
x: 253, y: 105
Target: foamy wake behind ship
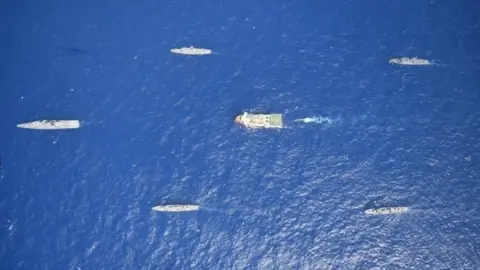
x: 386, y: 210
x: 176, y: 208
x: 260, y: 120
x: 410, y: 61
x: 191, y: 51
x: 51, y: 124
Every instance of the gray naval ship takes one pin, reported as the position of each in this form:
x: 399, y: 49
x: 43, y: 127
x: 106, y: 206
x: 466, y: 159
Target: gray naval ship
x: 410, y: 61
x: 51, y: 124
x: 191, y: 51
x: 386, y: 210
x: 176, y: 208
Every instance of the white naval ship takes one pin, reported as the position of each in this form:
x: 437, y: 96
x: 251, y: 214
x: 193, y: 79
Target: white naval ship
x: 176, y: 208
x: 410, y: 61
x: 260, y: 120
x: 191, y: 51
x: 386, y: 210
x: 51, y: 124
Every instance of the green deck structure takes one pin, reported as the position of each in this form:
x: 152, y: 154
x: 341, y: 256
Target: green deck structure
x: 275, y: 120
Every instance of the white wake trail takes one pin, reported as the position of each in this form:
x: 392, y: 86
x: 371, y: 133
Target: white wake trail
x: 316, y: 120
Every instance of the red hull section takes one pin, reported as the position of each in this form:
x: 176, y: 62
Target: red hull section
x: 239, y: 121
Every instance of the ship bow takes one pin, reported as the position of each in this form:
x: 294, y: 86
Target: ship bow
x: 238, y: 120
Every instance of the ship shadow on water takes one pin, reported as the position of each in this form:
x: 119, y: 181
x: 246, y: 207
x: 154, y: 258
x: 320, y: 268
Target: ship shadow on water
x: 372, y: 203
x: 74, y: 50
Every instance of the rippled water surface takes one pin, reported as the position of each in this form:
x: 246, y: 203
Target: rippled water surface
x: 158, y: 128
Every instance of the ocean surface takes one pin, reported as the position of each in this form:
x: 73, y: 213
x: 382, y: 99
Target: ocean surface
x: 158, y: 128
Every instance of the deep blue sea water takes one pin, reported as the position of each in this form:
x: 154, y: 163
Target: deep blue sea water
x: 158, y: 128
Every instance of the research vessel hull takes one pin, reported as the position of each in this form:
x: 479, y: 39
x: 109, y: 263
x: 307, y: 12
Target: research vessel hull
x: 260, y: 120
